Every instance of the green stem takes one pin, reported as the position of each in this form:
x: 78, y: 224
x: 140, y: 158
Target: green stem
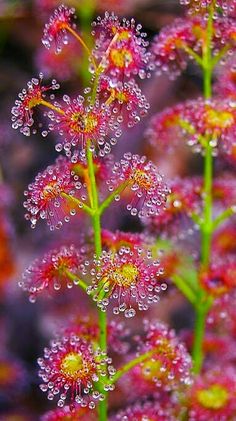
x: 207, y: 197
x: 184, y: 288
x: 80, y: 204
x: 98, y: 249
x: 206, y: 225
x: 111, y: 197
x: 227, y: 213
x: 76, y: 280
x: 199, y: 331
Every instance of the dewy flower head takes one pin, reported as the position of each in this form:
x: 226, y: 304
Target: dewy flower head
x: 126, y: 99
x: 29, y: 98
x: 121, y: 47
x: 71, y: 367
x: 69, y: 414
x: 148, y: 191
x: 212, y: 396
x: 56, y: 31
x: 79, y: 124
x: 147, y: 411
x: 44, y: 197
x: 127, y: 279
x: 52, y: 272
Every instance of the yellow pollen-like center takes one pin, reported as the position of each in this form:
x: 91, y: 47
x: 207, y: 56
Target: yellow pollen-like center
x: 215, y: 397
x: 125, y: 275
x: 222, y: 119
x: 142, y: 179
x: 84, y: 123
x: 121, y: 57
x: 124, y: 35
x: 121, y: 96
x: 50, y: 191
x: 72, y: 365
x: 151, y: 369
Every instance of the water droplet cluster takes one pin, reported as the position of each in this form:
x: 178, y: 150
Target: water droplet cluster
x: 79, y: 124
x: 28, y: 99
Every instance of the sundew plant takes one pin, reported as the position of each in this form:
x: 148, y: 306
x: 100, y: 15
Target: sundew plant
x: 100, y: 365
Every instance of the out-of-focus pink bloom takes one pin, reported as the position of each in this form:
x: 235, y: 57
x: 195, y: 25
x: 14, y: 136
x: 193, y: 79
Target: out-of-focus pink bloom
x: 223, y: 7
x: 201, y: 121
x: 225, y: 85
x: 222, y: 316
x: 224, y: 239
x: 212, y: 396
x: 167, y: 367
x: 118, y: 239
x: 173, y: 45
x: 13, y: 377
x: 184, y: 199
x: 220, y: 278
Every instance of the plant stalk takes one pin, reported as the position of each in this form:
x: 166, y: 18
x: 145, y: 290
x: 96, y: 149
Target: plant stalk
x: 96, y: 220
x: 206, y: 227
